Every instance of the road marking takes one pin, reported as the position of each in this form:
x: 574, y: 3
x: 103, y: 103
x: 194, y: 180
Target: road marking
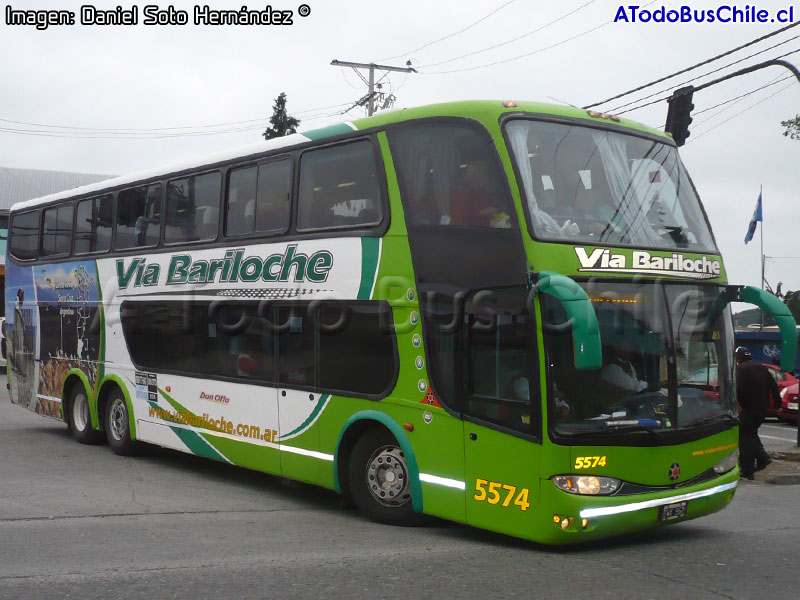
x: 778, y: 427
x: 772, y: 437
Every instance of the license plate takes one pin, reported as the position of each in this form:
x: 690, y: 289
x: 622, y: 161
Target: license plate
x: 791, y: 405
x: 673, y: 511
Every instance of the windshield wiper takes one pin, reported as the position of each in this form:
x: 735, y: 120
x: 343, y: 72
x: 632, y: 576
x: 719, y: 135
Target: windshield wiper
x: 622, y: 428
x: 705, y: 420
x: 632, y: 427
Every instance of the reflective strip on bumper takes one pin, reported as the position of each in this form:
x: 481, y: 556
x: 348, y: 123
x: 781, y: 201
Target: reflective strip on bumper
x: 588, y: 513
x: 435, y: 479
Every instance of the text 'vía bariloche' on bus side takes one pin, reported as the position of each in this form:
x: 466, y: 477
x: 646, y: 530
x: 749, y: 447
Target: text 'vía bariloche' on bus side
x: 234, y: 266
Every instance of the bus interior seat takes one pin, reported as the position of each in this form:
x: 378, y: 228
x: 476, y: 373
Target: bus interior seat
x: 206, y: 222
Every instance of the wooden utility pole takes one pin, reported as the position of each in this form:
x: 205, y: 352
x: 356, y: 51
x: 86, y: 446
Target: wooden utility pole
x: 371, y: 80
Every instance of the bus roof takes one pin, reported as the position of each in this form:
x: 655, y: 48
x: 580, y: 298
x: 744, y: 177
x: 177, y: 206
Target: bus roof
x: 484, y: 110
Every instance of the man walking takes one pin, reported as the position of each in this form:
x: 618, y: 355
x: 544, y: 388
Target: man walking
x: 754, y: 385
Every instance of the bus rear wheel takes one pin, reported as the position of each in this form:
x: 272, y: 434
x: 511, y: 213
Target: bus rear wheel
x: 117, y: 425
x: 379, y: 480
x: 79, y: 418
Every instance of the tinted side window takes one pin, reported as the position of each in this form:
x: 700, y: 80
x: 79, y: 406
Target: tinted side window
x: 339, y: 187
x: 138, y: 217
x: 25, y: 235
x: 57, y: 230
x: 193, y: 208
x: 449, y: 176
x: 93, y: 225
x: 296, y: 346
x: 228, y: 340
x: 259, y: 198
x: 498, y: 386
x: 338, y: 347
x: 356, y: 348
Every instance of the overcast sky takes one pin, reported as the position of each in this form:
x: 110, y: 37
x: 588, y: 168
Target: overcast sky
x: 194, y: 76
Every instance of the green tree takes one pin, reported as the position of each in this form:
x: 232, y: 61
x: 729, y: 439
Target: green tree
x: 792, y: 300
x: 280, y: 123
x: 792, y: 128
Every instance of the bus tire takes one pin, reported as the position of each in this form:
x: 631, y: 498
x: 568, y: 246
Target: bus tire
x: 79, y: 417
x: 380, y: 483
x: 117, y: 425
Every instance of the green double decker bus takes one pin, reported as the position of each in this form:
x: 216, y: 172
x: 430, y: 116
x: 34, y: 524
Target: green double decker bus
x: 495, y: 313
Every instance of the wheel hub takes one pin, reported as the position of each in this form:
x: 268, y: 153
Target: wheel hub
x: 387, y: 476
x: 80, y: 412
x: 118, y: 417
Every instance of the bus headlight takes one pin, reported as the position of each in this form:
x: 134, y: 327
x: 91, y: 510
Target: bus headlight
x: 727, y: 463
x: 589, y: 485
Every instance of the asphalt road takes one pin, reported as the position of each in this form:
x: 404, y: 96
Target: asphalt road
x: 79, y: 522
x: 778, y: 437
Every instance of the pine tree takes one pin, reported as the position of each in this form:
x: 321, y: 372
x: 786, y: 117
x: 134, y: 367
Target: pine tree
x: 792, y: 128
x: 280, y: 122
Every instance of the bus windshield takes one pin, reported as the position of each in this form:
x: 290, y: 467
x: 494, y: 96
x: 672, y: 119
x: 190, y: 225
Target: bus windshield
x: 598, y: 186
x: 656, y: 339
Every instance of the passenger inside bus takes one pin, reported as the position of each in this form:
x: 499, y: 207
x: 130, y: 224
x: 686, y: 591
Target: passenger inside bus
x: 474, y: 202
x: 620, y: 372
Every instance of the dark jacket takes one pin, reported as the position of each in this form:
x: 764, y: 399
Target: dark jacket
x: 754, y: 385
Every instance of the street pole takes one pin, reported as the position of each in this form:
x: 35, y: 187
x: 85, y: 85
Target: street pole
x: 761, y: 201
x: 370, y: 99
x: 796, y: 72
x: 371, y: 105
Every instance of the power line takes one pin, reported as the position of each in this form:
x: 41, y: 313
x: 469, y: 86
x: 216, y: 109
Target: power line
x: 538, y: 51
x: 511, y: 41
x: 718, y: 69
x: 369, y: 99
x: 783, y: 89
x: 736, y: 101
x: 622, y: 112
x: 695, y: 66
x: 192, y: 129
x: 116, y: 135
x: 745, y: 95
x: 447, y: 37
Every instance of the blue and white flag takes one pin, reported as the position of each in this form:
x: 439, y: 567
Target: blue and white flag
x: 751, y: 229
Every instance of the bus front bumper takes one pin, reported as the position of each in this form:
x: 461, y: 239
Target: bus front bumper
x: 583, y: 518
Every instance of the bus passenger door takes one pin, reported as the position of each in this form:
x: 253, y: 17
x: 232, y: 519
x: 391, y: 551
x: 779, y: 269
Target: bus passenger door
x: 501, y: 418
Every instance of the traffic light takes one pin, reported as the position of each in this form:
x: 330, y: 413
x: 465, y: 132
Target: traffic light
x: 679, y: 114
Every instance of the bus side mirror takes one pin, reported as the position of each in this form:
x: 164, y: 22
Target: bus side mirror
x: 783, y: 319
x: 772, y: 305
x: 581, y: 315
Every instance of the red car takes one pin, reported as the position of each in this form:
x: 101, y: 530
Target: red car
x: 784, y: 381
x: 706, y: 380
x: 788, y: 410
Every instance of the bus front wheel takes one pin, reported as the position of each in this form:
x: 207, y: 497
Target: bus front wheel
x: 379, y: 479
x: 117, y: 425
x: 79, y: 417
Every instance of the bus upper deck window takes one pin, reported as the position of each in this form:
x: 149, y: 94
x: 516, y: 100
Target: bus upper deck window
x: 57, y: 231
x: 25, y: 235
x: 449, y: 176
x: 339, y: 187
x: 93, y: 225
x: 138, y: 217
x: 259, y: 198
x: 193, y: 208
